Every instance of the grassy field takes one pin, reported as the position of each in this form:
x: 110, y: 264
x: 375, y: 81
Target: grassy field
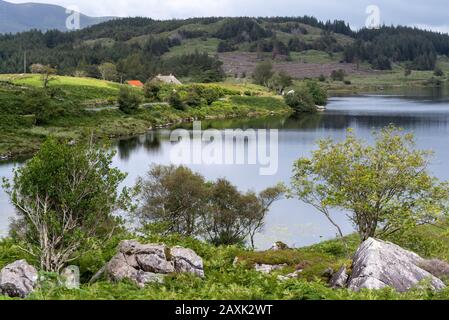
x: 382, y: 80
x: 86, y: 109
x: 227, y: 280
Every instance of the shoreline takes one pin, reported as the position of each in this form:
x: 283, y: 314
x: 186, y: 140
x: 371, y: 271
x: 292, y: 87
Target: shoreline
x: 13, y: 156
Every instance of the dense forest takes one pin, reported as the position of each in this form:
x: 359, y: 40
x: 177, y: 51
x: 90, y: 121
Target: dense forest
x: 141, y: 47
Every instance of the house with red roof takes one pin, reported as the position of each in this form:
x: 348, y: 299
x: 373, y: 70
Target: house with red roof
x: 135, y: 83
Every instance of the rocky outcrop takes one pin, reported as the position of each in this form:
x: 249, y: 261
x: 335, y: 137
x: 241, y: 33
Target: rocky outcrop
x: 378, y: 264
x: 187, y: 261
x: 339, y: 279
x: 268, y: 268
x: 293, y: 275
x: 18, y: 279
x: 149, y: 263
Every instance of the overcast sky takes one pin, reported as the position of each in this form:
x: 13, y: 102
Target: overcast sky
x: 432, y: 14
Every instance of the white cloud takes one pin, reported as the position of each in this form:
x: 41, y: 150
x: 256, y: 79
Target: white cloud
x: 405, y: 12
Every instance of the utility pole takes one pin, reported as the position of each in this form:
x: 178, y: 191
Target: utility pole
x: 25, y: 62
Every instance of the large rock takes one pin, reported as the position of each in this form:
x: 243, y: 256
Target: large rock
x: 148, y: 263
x: 378, y: 264
x: 187, y: 261
x: 339, y: 279
x: 18, y: 279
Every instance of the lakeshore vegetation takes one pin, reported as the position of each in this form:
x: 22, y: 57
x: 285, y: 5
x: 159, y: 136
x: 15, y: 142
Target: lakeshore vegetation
x: 67, y: 193
x: 81, y: 182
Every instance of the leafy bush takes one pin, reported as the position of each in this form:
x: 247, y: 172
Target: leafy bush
x: 338, y: 75
x: 301, y: 100
x: 39, y: 103
x: 350, y: 175
x: 175, y: 101
x: 318, y: 93
x: 182, y: 202
x: 152, y: 90
x: 128, y: 100
x: 438, y: 72
x: 263, y: 73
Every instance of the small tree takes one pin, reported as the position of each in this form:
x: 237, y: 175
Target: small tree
x: 176, y: 200
x: 174, y: 197
x: 232, y: 216
x: 263, y: 73
x: 64, y: 196
x: 300, y: 100
x: 319, y: 94
x: 259, y: 209
x: 385, y: 187
x: 280, y: 81
x: 46, y: 72
x: 226, y: 221
x: 128, y: 100
x: 407, y: 71
x: 338, y: 75
x: 108, y: 71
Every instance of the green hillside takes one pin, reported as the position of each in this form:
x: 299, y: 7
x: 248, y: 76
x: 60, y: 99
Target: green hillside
x: 76, y: 108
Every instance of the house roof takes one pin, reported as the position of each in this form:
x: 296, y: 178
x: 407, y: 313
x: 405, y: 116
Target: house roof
x: 171, y: 79
x: 135, y: 83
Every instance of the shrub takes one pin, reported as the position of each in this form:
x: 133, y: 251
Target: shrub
x: 193, y: 99
x: 151, y: 91
x: 438, y: 72
x: 129, y: 100
x: 39, y: 103
x: 355, y: 177
x: 175, y: 101
x: 180, y: 201
x: 338, y: 75
x: 318, y: 93
x: 301, y: 100
x: 263, y: 73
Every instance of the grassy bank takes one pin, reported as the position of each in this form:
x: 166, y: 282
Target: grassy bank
x: 87, y: 106
x: 378, y: 81
x: 225, y: 280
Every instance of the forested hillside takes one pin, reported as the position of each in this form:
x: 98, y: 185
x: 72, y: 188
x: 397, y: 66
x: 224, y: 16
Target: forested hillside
x: 205, y: 49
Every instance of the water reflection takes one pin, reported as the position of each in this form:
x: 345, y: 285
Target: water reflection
x: 150, y: 142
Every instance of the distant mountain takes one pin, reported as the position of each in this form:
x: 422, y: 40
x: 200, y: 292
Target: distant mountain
x: 26, y: 16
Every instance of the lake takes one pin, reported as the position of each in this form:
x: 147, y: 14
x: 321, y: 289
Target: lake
x: 423, y: 112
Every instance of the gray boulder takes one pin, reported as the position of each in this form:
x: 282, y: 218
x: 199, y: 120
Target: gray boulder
x: 378, y: 264
x: 294, y: 275
x: 154, y: 263
x: 339, y: 279
x: 18, y: 279
x: 187, y: 261
x: 149, y: 263
x: 269, y: 268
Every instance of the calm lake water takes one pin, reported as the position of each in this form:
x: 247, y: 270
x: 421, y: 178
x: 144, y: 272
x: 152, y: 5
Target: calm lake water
x: 424, y: 112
